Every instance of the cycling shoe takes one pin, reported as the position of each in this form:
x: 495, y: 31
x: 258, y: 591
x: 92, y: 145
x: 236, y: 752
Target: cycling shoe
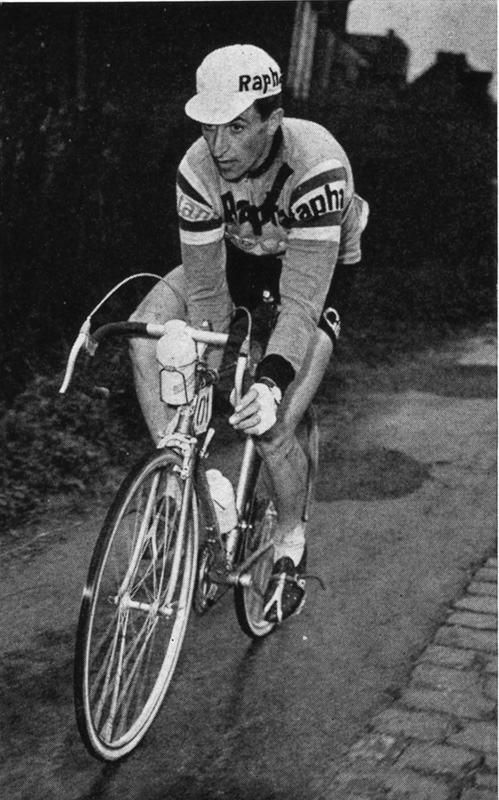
x: 285, y: 593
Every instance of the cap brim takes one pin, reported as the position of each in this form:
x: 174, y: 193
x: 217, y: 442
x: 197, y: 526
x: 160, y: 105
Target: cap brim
x: 219, y: 109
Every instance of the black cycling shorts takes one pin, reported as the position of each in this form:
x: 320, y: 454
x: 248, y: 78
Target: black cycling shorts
x: 248, y: 276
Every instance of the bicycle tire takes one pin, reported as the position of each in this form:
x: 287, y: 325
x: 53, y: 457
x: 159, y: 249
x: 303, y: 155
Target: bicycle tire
x: 258, y: 530
x: 135, y: 606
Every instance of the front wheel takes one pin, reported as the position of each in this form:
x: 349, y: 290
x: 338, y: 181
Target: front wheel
x: 135, y: 606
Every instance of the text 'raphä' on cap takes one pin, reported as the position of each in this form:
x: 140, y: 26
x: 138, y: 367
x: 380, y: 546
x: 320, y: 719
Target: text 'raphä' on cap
x: 228, y: 82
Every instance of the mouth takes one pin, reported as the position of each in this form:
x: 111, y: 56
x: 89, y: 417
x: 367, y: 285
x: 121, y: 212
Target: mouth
x: 224, y: 164
x: 229, y: 169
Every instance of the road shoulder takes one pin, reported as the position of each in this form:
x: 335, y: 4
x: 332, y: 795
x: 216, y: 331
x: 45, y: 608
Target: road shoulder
x: 438, y: 740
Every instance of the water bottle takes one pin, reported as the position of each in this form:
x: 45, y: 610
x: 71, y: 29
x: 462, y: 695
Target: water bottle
x: 224, y: 500
x: 176, y: 353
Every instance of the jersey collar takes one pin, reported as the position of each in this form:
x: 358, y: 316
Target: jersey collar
x: 265, y: 165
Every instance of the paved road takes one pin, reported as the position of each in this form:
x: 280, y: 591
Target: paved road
x: 438, y: 739
x: 405, y: 509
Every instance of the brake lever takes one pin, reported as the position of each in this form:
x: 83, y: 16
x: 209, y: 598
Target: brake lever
x: 83, y: 340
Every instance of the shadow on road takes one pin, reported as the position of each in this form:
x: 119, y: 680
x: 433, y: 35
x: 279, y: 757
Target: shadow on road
x: 373, y: 474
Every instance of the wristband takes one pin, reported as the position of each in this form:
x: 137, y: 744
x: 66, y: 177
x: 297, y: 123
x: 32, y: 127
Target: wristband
x: 278, y: 369
x: 274, y: 389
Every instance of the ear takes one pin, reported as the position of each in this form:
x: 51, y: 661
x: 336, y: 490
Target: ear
x: 275, y: 120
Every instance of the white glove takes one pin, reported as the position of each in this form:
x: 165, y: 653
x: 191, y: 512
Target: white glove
x: 256, y: 412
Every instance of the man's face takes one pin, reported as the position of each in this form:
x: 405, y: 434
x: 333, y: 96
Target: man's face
x: 242, y: 144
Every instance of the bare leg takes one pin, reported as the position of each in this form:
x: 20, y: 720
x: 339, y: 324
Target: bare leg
x: 165, y: 301
x: 283, y: 454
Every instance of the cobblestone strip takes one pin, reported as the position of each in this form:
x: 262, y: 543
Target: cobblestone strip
x: 439, y: 740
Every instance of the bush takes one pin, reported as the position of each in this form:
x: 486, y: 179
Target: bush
x: 51, y: 444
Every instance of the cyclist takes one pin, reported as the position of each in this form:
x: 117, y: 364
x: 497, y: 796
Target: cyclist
x: 264, y: 202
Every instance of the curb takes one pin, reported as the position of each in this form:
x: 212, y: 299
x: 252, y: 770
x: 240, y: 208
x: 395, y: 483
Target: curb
x: 438, y: 741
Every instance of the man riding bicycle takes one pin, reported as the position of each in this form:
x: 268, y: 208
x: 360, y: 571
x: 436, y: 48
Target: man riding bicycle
x: 264, y: 202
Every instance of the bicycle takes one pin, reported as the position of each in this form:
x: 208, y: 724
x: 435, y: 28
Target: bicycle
x: 161, y: 551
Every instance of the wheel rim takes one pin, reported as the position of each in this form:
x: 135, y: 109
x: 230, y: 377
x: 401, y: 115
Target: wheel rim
x: 257, y: 535
x: 138, y: 613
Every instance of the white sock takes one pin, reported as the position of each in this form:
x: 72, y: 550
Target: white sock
x: 293, y: 545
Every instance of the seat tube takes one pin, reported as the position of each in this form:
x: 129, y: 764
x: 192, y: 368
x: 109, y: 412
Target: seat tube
x: 245, y: 475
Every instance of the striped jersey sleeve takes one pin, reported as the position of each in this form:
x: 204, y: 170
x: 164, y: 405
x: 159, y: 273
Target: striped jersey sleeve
x: 317, y: 203
x: 198, y: 221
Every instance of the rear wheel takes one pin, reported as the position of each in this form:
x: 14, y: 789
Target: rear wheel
x: 256, y: 535
x: 135, y: 606
x: 259, y: 530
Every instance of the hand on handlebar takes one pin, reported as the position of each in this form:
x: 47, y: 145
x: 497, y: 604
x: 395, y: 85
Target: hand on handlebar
x: 256, y: 412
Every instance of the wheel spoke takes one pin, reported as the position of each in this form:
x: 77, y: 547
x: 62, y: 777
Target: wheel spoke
x: 144, y: 525
x: 104, y: 672
x: 111, y: 673
x: 122, y: 699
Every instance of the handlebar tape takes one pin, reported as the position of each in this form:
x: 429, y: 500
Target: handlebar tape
x: 153, y: 330
x: 120, y: 329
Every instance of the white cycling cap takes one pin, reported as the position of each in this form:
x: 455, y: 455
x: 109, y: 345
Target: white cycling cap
x: 229, y: 80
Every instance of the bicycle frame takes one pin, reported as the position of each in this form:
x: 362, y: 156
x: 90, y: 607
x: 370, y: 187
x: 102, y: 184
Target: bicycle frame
x: 192, y: 462
x: 181, y: 437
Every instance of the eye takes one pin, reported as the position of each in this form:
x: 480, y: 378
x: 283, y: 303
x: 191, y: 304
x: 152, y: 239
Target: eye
x: 237, y: 127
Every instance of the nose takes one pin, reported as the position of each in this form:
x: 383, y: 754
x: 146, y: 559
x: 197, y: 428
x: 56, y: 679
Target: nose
x: 219, y: 141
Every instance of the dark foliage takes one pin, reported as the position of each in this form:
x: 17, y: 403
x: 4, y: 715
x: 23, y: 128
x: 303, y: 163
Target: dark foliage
x: 92, y: 102
x: 52, y: 444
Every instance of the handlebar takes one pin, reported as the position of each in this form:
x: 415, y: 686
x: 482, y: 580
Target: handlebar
x: 150, y: 330
x: 155, y: 330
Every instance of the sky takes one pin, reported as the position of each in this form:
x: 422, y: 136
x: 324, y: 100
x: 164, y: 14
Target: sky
x: 459, y: 26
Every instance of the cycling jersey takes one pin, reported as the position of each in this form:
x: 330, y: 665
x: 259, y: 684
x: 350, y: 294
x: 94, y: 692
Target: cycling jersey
x: 299, y: 206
